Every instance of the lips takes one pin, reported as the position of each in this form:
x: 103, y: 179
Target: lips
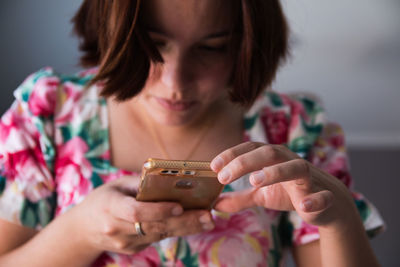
x: 174, y: 105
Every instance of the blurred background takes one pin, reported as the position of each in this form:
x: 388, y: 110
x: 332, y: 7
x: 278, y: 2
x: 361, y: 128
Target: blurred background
x: 346, y: 52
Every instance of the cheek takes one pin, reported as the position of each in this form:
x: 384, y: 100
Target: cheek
x: 215, y: 78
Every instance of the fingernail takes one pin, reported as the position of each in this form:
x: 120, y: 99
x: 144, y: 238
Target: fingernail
x: 307, y: 205
x: 208, y: 226
x: 217, y: 164
x: 258, y: 177
x: 177, y: 211
x: 224, y: 175
x: 205, y: 218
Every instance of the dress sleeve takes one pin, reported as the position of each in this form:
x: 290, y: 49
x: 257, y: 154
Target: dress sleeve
x: 27, y: 187
x: 328, y: 153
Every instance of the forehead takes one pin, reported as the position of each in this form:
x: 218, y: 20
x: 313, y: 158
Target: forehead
x: 187, y: 18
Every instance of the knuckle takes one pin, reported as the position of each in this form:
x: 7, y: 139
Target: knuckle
x: 134, y: 214
x: 273, y: 172
x: 269, y: 151
x: 109, y: 229
x: 156, y: 227
x: 228, y: 155
x: 253, y: 145
x: 305, y: 166
x: 239, y: 163
x: 121, y: 245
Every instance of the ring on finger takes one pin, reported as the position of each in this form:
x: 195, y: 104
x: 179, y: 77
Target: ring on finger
x: 138, y: 228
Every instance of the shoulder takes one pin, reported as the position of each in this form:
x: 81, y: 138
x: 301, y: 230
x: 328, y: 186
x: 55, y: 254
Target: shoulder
x: 295, y: 120
x: 40, y: 91
x: 291, y: 105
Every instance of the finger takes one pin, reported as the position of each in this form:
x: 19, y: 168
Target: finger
x: 127, y: 184
x: 296, y: 169
x: 236, y: 201
x: 191, y: 222
x: 228, y: 155
x: 253, y: 160
x: 317, y: 201
x: 129, y: 209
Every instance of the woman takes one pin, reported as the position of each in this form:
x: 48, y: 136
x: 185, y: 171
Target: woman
x: 179, y: 80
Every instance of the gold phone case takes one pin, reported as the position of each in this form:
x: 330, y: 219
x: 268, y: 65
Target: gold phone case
x: 191, y: 183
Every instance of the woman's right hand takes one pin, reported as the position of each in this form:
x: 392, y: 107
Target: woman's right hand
x: 105, y: 219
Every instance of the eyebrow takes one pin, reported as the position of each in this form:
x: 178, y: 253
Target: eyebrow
x: 214, y: 35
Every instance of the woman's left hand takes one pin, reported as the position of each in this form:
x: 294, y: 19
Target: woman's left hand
x: 282, y: 180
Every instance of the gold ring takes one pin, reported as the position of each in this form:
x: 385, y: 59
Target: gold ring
x: 138, y: 228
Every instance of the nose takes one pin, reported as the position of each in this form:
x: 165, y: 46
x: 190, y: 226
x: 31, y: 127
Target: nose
x: 175, y: 74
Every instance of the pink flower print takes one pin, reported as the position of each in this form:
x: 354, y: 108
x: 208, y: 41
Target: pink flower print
x: 221, y: 245
x: 276, y: 125
x: 102, y: 261
x: 337, y: 141
x: 306, y: 233
x: 17, y: 129
x: 28, y: 168
x: 73, y: 173
x: 338, y: 167
x: 68, y: 98
x: 146, y: 258
x: 296, y: 107
x: 42, y: 100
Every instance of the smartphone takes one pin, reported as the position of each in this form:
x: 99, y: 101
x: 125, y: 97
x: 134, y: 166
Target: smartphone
x: 191, y: 183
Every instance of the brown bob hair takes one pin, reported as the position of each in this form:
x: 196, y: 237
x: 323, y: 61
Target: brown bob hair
x: 113, y: 38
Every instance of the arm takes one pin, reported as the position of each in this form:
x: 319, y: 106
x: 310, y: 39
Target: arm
x: 102, y: 222
x: 283, y: 181
x: 347, y: 246
x: 23, y: 246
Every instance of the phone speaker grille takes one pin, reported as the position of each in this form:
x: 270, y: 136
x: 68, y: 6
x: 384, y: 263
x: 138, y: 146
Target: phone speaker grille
x: 200, y: 165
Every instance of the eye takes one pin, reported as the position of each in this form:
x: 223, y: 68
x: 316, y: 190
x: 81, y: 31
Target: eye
x: 216, y: 49
x: 159, y: 43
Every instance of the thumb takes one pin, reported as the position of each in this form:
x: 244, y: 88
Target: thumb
x: 128, y: 184
x: 319, y: 201
x: 235, y: 201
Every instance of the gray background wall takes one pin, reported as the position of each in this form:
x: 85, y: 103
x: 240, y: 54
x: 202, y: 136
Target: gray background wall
x: 347, y: 52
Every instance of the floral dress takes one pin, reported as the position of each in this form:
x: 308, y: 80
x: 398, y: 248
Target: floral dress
x: 54, y: 150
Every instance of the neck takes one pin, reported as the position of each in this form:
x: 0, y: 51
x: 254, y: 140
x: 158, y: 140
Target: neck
x: 219, y: 113
x: 131, y: 133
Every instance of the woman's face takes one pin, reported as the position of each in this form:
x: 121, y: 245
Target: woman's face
x: 192, y: 36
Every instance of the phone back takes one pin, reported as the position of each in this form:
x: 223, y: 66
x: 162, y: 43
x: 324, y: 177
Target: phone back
x: 191, y: 183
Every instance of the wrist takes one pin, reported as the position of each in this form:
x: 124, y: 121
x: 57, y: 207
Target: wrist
x: 81, y: 237
x: 346, y: 219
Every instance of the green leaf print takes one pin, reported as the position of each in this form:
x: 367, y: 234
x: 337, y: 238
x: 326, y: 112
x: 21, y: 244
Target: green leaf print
x: 250, y: 121
x: 2, y: 184
x: 301, y: 144
x: 184, y: 254
x: 96, y: 180
x: 39, y: 213
x: 275, y: 254
x: 362, y: 209
x: 25, y: 96
x: 227, y: 188
x: 42, y: 73
x: 76, y: 79
x: 66, y: 133
x: 99, y: 165
x: 45, y: 209
x: 275, y: 99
